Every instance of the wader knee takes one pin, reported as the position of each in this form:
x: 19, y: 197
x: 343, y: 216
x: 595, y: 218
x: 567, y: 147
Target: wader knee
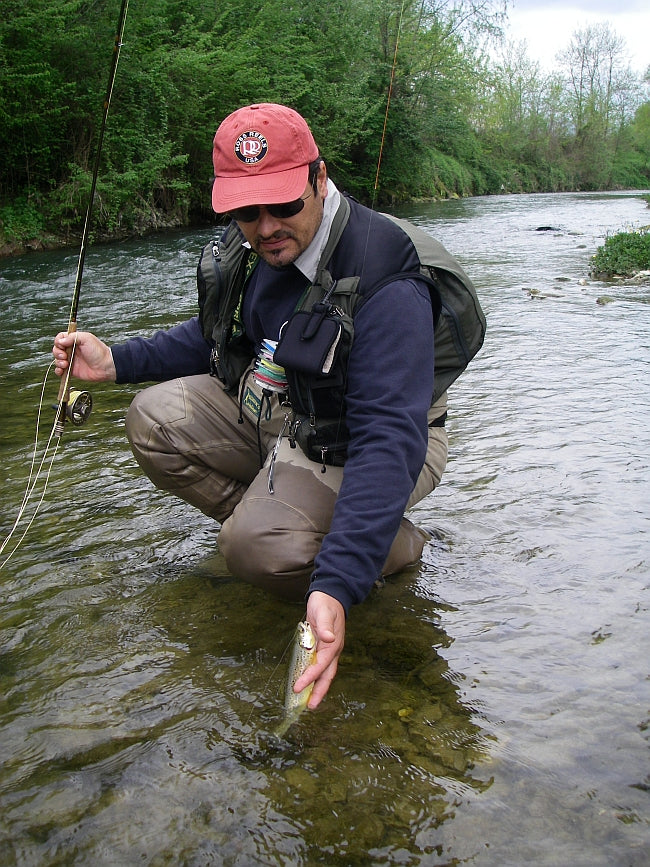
x: 271, y: 540
x: 277, y: 556
x: 185, y: 437
x: 406, y: 549
x: 145, y: 423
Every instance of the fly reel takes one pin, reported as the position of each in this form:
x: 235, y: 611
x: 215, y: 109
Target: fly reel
x: 78, y: 407
x: 80, y: 404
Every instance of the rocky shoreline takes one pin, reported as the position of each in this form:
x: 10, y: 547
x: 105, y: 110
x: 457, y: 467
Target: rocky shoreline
x: 9, y: 249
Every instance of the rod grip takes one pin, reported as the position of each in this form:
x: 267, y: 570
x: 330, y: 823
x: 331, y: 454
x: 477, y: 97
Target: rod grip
x: 64, y: 387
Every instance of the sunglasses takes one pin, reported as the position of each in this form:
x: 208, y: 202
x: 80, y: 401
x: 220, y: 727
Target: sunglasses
x: 283, y: 211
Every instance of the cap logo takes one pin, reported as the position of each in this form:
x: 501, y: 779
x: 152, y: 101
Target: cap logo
x: 251, y: 147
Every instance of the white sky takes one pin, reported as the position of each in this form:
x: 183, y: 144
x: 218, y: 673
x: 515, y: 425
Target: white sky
x: 547, y: 26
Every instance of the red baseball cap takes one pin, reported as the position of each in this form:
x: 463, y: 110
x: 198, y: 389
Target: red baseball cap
x: 261, y: 156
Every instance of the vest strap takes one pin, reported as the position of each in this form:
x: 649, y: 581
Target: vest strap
x: 340, y: 221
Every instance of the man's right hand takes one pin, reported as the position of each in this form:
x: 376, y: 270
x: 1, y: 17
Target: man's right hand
x: 92, y: 360
x: 327, y: 619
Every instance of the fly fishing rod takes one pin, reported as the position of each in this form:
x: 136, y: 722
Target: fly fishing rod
x: 76, y: 405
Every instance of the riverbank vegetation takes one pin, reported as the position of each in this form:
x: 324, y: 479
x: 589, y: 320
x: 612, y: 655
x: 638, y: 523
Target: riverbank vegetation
x: 623, y: 255
x: 461, y: 121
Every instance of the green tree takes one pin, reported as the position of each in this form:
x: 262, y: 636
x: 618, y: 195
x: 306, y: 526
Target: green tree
x: 399, y: 85
x: 601, y: 95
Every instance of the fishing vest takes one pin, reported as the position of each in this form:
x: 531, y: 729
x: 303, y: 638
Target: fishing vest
x: 314, y: 345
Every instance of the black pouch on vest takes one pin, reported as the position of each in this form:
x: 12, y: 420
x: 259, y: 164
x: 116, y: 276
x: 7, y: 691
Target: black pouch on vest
x: 325, y: 444
x: 309, y: 340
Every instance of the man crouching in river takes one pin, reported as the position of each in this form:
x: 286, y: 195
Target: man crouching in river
x: 308, y: 454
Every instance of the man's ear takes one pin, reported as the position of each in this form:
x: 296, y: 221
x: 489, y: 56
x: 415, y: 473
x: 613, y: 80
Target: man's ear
x: 321, y: 180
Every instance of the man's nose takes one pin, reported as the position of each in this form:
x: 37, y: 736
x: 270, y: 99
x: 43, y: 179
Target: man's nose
x: 267, y: 224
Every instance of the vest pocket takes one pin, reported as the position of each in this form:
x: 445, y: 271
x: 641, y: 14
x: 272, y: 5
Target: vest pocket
x: 309, y: 341
x: 326, y: 443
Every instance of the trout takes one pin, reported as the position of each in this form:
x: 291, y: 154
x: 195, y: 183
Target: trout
x: 303, y: 655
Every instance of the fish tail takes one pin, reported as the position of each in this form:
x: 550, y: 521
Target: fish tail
x: 288, y: 720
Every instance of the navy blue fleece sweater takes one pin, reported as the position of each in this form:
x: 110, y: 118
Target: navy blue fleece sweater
x: 390, y: 383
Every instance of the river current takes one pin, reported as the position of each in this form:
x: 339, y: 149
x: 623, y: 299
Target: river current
x: 492, y: 705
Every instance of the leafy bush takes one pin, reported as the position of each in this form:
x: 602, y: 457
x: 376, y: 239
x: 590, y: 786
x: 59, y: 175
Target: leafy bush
x: 22, y: 220
x: 623, y: 254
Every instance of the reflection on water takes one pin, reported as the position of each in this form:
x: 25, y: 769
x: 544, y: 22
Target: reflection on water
x: 491, y: 705
x: 147, y: 690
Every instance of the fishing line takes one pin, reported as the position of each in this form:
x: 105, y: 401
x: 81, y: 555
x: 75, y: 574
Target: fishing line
x: 390, y: 93
x: 374, y: 192
x: 385, y: 126
x: 36, y: 509
x: 31, y: 485
x: 74, y: 406
x: 265, y: 689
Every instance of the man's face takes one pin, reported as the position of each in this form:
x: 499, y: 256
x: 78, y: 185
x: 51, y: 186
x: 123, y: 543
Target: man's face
x: 279, y: 241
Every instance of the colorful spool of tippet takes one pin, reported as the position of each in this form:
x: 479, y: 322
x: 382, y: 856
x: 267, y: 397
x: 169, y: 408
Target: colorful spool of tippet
x: 267, y: 373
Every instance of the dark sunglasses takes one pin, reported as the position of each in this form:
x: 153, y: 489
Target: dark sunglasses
x: 283, y: 211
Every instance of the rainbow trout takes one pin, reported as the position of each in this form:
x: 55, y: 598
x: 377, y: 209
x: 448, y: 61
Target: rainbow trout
x: 303, y: 655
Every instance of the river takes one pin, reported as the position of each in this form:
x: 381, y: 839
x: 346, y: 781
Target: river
x: 492, y: 704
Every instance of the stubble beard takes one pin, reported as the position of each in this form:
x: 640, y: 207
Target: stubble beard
x: 281, y: 257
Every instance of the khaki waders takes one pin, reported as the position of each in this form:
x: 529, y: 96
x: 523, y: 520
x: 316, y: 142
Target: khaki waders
x: 187, y: 436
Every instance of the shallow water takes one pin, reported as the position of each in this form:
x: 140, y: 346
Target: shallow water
x: 492, y: 705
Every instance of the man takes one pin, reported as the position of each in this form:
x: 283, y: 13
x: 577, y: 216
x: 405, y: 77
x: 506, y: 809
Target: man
x: 308, y: 465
